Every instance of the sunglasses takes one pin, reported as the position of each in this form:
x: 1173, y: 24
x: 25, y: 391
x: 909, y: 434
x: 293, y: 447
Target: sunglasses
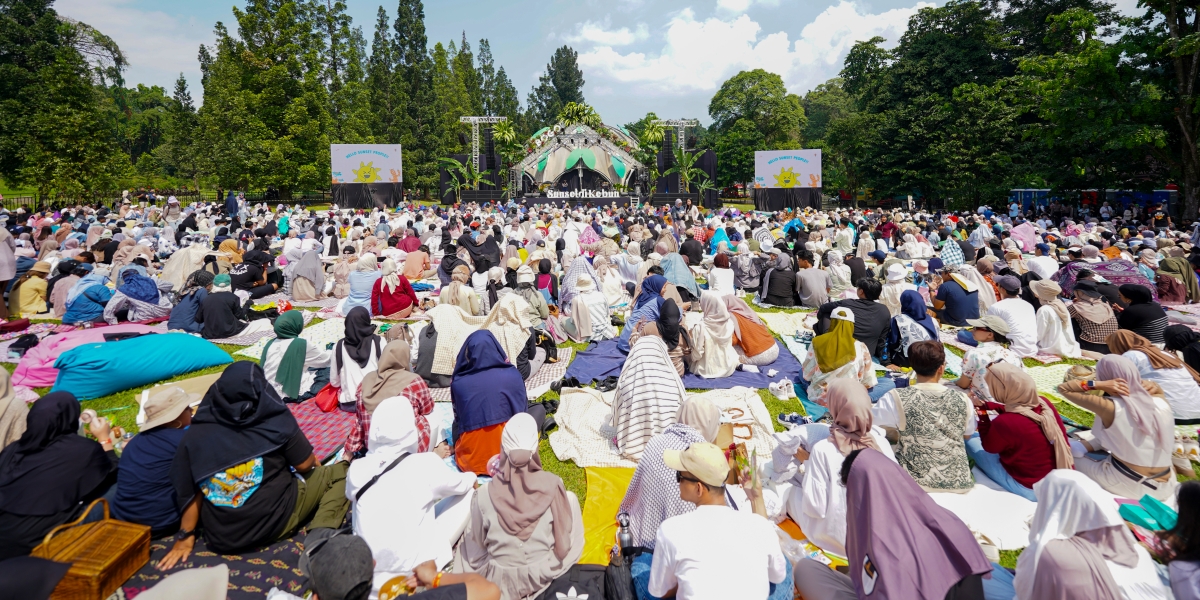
x: 679, y: 478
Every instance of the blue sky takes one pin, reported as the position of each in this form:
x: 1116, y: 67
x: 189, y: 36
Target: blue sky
x: 637, y: 55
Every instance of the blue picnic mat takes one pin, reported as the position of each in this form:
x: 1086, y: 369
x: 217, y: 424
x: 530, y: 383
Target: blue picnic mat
x: 603, y: 359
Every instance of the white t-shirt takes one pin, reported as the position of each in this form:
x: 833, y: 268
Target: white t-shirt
x: 1044, y: 266
x: 819, y: 506
x: 351, y: 375
x: 1022, y: 325
x: 717, y: 552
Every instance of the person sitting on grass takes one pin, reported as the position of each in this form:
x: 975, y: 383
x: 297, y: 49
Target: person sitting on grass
x: 989, y: 333
x: 835, y: 355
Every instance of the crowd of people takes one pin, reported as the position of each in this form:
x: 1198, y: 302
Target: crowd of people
x: 463, y: 508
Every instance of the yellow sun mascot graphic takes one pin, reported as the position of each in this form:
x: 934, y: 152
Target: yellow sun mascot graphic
x: 366, y: 173
x: 786, y: 178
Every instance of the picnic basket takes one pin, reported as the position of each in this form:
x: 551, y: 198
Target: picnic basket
x: 103, y: 554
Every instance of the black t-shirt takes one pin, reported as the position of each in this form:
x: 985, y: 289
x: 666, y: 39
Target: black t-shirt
x: 858, y: 269
x: 693, y: 250
x: 220, y: 313
x: 246, y: 505
x: 245, y: 276
x: 1160, y: 220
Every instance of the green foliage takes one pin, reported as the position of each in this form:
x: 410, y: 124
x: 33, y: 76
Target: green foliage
x: 580, y: 113
x: 560, y: 85
x: 752, y: 107
x: 685, y: 167
x: 735, y: 152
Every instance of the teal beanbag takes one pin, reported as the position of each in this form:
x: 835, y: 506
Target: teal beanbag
x: 99, y: 369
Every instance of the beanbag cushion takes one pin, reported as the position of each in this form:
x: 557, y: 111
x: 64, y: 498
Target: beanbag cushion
x: 36, y: 368
x: 99, y: 369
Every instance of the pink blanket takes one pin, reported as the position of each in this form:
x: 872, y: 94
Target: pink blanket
x: 36, y: 368
x: 1027, y: 235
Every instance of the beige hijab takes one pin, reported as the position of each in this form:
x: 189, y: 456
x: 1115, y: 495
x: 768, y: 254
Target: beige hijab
x: 700, y: 414
x: 393, y: 374
x: 1018, y: 392
x: 1047, y: 292
x: 13, y: 411
x: 850, y: 410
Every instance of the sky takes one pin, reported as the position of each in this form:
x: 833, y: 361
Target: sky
x: 637, y: 56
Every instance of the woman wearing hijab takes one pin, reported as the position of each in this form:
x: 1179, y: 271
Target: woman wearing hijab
x: 1026, y: 440
x: 840, y: 278
x: 1092, y: 319
x: 648, y: 396
x: 1185, y: 341
x: 460, y: 293
x: 912, y: 324
x: 747, y: 269
x: 652, y: 496
x: 1181, y: 270
x: 610, y: 283
x: 547, y: 282
x: 712, y: 355
x: 86, y: 299
x: 487, y: 390
x: 57, y: 288
x: 341, y: 273
x: 778, y: 283
x: 590, y: 319
x: 1177, y: 380
x: 191, y: 298
x: 886, y: 510
x: 1142, y: 315
x: 354, y: 356
x: 13, y: 412
x: 1133, y: 423
x: 646, y: 307
x: 230, y: 254
x: 819, y: 505
x: 752, y: 340
x: 836, y: 354
x: 392, y: 296
x: 1055, y: 332
x: 525, y: 528
x: 1081, y: 549
x: 50, y: 474
x: 394, y: 379
x: 137, y: 299
x: 679, y: 275
x: 361, y: 281
x: 306, y: 278
x: 296, y: 369
x: 409, y: 505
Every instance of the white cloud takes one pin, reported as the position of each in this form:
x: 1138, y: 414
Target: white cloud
x: 740, y: 6
x: 699, y: 55
x: 598, y: 33
x: 158, y: 46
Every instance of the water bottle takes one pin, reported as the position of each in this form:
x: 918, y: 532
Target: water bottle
x: 624, y: 536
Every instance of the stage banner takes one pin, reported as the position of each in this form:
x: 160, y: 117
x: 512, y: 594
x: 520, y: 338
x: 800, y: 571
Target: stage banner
x: 366, y: 163
x: 787, y: 169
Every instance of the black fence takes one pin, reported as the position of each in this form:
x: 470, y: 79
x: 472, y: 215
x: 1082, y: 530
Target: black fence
x: 112, y: 199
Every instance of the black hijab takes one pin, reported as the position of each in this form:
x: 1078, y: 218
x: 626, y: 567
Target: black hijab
x: 360, y: 336
x: 331, y: 235
x: 668, y: 323
x: 1181, y: 338
x: 544, y: 266
x: 487, y: 248
x: 1142, y: 309
x: 50, y: 468
x: 240, y: 418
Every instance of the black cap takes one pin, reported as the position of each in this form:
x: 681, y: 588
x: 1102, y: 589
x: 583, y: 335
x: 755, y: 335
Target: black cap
x: 339, y: 564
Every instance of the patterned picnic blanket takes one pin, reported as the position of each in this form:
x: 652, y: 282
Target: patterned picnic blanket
x: 536, y: 386
x: 326, y: 431
x: 250, y: 338
x: 251, y: 574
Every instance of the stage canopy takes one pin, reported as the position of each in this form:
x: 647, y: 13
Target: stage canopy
x: 591, y: 156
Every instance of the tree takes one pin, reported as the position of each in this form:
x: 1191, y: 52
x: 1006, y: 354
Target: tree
x: 582, y: 114
x: 499, y: 96
x: 760, y: 98
x: 561, y: 84
x: 735, y: 152
x: 177, y: 155
x: 349, y: 98
x: 421, y: 138
x: 824, y: 104
x: 472, y: 81
x: 685, y: 167
x: 451, y: 103
x: 54, y: 135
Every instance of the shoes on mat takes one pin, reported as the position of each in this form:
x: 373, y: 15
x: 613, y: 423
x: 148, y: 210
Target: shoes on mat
x: 608, y: 384
x: 778, y: 390
x: 565, y: 382
x: 793, y: 419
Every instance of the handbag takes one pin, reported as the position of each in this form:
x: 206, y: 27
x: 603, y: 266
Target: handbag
x: 327, y: 398
x: 103, y: 554
x: 580, y: 581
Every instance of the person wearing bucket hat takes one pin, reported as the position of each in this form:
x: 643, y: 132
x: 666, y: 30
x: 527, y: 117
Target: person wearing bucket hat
x: 896, y: 284
x: 144, y: 494
x: 989, y: 333
x: 28, y: 295
x: 695, y: 552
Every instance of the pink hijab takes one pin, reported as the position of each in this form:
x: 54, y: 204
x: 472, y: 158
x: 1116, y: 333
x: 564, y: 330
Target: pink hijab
x: 850, y: 411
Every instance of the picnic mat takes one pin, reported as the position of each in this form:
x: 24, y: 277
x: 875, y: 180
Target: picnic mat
x: 536, y: 386
x: 785, y: 324
x: 250, y: 338
x: 1005, y: 520
x: 605, y: 490
x: 251, y: 575
x: 603, y: 359
x: 325, y: 431
x: 583, y: 414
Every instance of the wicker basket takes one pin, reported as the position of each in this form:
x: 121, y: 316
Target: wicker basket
x: 103, y: 555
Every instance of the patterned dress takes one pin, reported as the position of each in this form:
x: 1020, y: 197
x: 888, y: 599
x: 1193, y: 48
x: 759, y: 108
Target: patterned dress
x: 931, y: 445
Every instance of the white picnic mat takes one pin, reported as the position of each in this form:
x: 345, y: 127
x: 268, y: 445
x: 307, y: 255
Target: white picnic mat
x: 320, y: 334
x: 988, y: 509
x: 785, y: 324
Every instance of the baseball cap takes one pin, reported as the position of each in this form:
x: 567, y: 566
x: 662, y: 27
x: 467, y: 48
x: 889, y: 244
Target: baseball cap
x: 704, y: 460
x: 991, y: 323
x: 338, y: 564
x: 222, y: 280
x: 1008, y: 283
x: 842, y: 313
x: 1045, y: 248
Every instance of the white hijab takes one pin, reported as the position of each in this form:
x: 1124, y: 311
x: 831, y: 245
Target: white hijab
x: 713, y: 355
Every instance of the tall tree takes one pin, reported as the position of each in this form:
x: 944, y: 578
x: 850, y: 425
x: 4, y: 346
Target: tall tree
x: 177, y: 155
x: 385, y: 86
x: 349, y: 104
x: 761, y: 99
x: 472, y: 81
x: 54, y: 136
x: 419, y: 134
x: 561, y: 84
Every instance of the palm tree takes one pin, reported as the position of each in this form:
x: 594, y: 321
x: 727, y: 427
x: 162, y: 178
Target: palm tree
x: 685, y: 166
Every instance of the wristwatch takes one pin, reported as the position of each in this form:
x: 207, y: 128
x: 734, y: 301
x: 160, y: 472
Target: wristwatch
x: 183, y: 534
